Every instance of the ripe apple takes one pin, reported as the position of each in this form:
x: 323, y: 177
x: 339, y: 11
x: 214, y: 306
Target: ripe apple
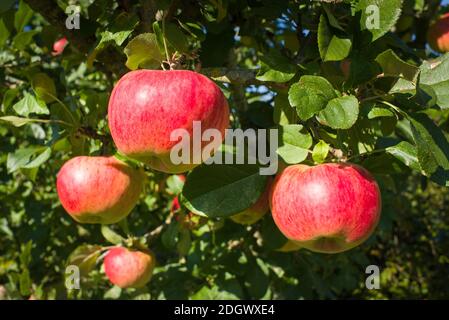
x: 327, y: 208
x: 438, y: 34
x: 128, y: 269
x: 59, y: 46
x: 175, y: 205
x: 146, y: 106
x: 256, y: 211
x: 98, y: 189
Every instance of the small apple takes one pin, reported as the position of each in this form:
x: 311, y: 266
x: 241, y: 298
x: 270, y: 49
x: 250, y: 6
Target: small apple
x: 98, y: 189
x: 256, y: 211
x: 438, y: 34
x: 147, y: 106
x: 326, y: 208
x: 59, y: 46
x: 175, y: 205
x: 129, y: 269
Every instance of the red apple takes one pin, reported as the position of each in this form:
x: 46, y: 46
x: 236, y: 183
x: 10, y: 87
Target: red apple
x: 327, y: 208
x: 175, y: 205
x: 129, y: 269
x: 438, y: 34
x: 98, y: 189
x: 146, y: 106
x: 59, y: 46
x: 256, y: 211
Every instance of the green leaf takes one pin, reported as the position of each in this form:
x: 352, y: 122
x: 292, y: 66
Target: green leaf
x: 143, y: 51
x: 341, y: 113
x: 29, y: 104
x: 379, y: 112
x: 405, y: 152
x: 170, y: 236
x: 176, y: 38
x: 21, y: 158
x: 393, y: 66
x: 18, y: 121
x: 23, y: 39
x: 85, y: 257
x: 44, y: 87
x: 275, y: 67
x: 283, y: 113
x: 432, y: 148
x: 221, y: 190
x: 40, y: 159
x: 320, y: 152
x: 117, y: 33
x: 379, y: 16
x: 4, y: 33
x: 310, y: 95
x: 294, y: 143
x: 332, y: 48
x: 110, y: 235
x: 22, y: 16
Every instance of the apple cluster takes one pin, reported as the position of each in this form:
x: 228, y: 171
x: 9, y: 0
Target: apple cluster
x: 325, y: 208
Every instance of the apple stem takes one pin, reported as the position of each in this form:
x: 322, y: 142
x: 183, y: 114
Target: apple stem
x: 167, y: 55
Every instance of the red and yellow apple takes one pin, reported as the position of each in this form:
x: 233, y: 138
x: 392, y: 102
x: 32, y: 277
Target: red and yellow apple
x: 327, y: 208
x: 147, y: 106
x: 98, y: 189
x: 127, y: 268
x: 59, y: 46
x: 438, y: 34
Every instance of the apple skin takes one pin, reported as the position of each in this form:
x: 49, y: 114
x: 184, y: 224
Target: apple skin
x: 98, y: 189
x: 59, y: 46
x: 129, y: 269
x: 256, y: 211
x: 146, y: 106
x: 438, y: 34
x: 327, y: 208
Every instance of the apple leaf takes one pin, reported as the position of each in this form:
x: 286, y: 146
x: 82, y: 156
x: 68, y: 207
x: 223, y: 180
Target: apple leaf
x: 320, y: 152
x: 393, y: 66
x: 110, y: 235
x: 310, y: 95
x: 31, y: 157
x: 276, y: 68
x: 29, y: 104
x: 222, y: 190
x: 143, y: 51
x: 332, y: 47
x: 341, y: 113
x: 378, y: 16
x: 294, y: 143
x: 85, y: 257
x: 405, y: 152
